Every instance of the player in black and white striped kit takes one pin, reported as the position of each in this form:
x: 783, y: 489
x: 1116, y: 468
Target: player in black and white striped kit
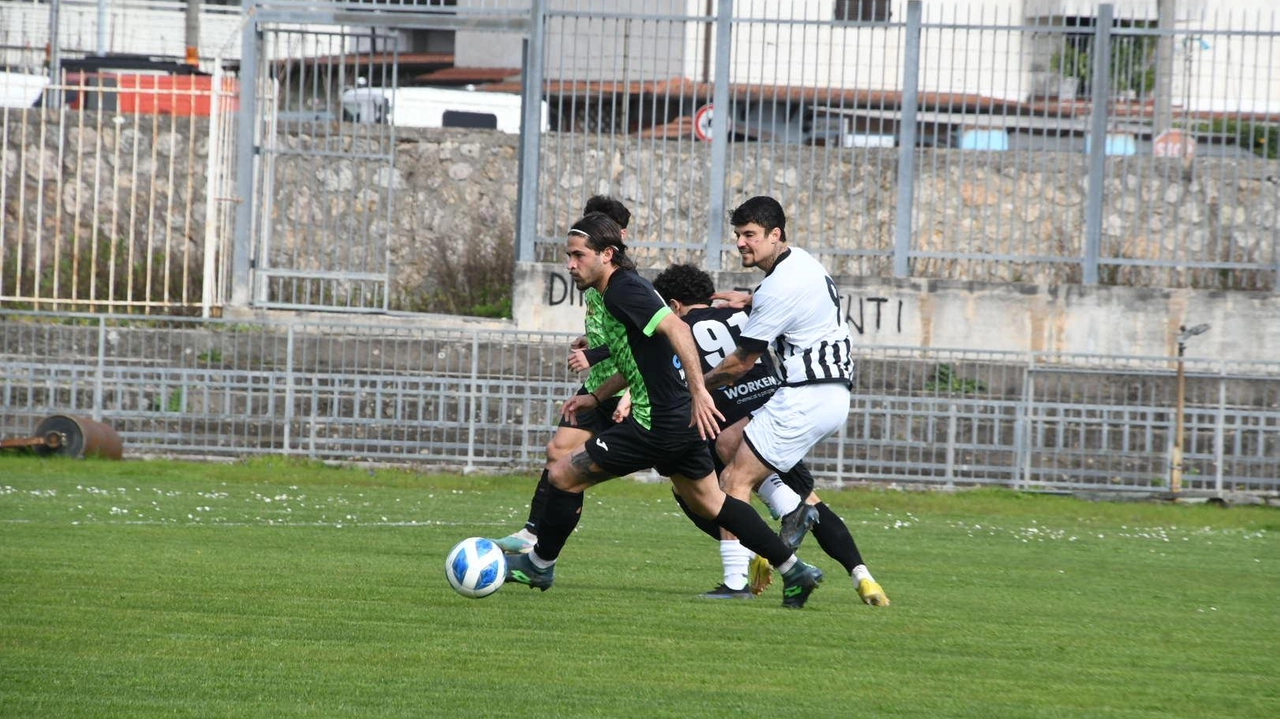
x: 796, y: 310
x: 688, y: 290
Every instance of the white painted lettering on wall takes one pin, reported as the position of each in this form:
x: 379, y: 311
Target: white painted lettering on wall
x: 867, y: 314
x: 875, y: 314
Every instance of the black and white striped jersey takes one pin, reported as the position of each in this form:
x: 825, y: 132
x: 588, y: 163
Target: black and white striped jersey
x: 797, y: 310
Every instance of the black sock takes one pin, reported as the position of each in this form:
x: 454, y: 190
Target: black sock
x: 834, y: 538
x: 706, y: 525
x: 561, y: 515
x: 538, y: 504
x: 738, y: 517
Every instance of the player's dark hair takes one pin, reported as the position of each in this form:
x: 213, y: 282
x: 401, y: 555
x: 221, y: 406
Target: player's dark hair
x: 601, y: 233
x: 610, y: 206
x: 762, y: 210
x: 686, y: 284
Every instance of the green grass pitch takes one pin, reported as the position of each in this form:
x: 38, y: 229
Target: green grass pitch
x: 278, y: 588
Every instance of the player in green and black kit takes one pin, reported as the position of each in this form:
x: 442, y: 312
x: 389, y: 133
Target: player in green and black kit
x: 672, y: 415
x: 569, y: 435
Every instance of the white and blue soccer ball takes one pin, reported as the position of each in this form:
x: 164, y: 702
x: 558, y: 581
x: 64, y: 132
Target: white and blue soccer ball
x: 475, y: 567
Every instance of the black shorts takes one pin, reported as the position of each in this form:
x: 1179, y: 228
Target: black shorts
x: 595, y: 420
x: 627, y: 447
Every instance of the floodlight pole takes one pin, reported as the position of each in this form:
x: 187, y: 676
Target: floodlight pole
x: 1175, y: 475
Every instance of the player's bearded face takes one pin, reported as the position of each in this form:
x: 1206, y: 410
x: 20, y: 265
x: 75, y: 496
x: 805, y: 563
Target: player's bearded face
x: 585, y: 265
x: 756, y: 246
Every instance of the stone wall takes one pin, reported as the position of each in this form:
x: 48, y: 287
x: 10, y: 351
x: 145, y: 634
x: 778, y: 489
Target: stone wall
x: 92, y: 200
x: 454, y: 193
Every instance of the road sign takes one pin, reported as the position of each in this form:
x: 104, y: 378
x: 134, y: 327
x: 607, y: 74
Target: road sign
x: 1174, y: 143
x: 702, y: 123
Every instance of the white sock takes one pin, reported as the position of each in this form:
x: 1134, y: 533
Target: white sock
x: 860, y: 573
x: 778, y: 497
x: 526, y: 535
x: 787, y: 565
x: 735, y: 558
x: 539, y: 562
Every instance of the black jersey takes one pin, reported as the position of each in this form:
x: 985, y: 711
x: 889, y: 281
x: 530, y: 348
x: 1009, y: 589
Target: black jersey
x: 717, y: 331
x: 659, y: 396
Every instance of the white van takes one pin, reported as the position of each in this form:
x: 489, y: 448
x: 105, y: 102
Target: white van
x: 435, y: 107
x: 19, y: 89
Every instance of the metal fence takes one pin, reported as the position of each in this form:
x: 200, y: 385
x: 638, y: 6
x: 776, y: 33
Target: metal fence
x: 478, y: 399
x: 936, y: 140
x: 118, y: 196
x: 1049, y: 144
x: 943, y: 140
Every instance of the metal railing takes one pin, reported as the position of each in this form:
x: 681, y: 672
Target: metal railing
x: 481, y: 399
x: 947, y: 141
x: 120, y: 199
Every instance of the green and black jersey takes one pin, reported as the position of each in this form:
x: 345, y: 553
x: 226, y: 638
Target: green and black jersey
x: 659, y: 396
x: 603, y: 369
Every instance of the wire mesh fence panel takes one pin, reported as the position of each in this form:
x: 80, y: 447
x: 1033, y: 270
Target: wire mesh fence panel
x: 622, y: 90
x: 328, y: 186
x: 1199, y: 97
x: 116, y: 199
x: 813, y: 99
x: 954, y: 143
x: 994, y: 132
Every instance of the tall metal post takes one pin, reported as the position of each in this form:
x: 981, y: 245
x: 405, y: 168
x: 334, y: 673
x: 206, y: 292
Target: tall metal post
x: 246, y: 158
x: 101, y: 47
x: 53, y: 98
x: 193, y: 32
x: 530, y: 135
x: 1175, y: 473
x: 1162, y: 95
x: 719, y: 135
x: 1099, y: 94
x: 907, y: 143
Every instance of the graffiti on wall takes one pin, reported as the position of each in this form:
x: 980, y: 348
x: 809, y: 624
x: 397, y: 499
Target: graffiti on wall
x: 864, y: 314
x: 875, y: 314
x: 560, y: 290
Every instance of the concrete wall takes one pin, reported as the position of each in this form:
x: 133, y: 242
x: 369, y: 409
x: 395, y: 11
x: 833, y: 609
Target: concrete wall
x: 999, y: 317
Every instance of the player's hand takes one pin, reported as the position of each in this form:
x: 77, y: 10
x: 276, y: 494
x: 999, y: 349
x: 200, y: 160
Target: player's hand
x: 732, y: 298
x: 575, y: 404
x: 578, y: 360
x: 705, y: 415
x: 579, y: 344
x: 623, y: 409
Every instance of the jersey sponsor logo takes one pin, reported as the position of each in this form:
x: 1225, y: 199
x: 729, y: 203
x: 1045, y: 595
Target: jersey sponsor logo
x: 752, y: 387
x: 600, y: 443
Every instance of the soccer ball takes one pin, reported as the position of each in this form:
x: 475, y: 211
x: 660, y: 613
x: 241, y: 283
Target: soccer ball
x: 475, y: 567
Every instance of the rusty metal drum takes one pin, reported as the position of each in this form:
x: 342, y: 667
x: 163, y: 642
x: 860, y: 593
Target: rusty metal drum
x: 79, y: 437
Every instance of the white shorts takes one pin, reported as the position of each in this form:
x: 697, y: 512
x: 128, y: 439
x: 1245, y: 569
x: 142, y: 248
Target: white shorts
x: 795, y: 419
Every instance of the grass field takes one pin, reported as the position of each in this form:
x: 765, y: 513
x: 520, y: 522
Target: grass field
x: 283, y: 589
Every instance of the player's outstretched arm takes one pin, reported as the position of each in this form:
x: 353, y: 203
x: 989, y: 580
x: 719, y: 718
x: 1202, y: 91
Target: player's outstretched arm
x: 705, y: 415
x: 731, y: 368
